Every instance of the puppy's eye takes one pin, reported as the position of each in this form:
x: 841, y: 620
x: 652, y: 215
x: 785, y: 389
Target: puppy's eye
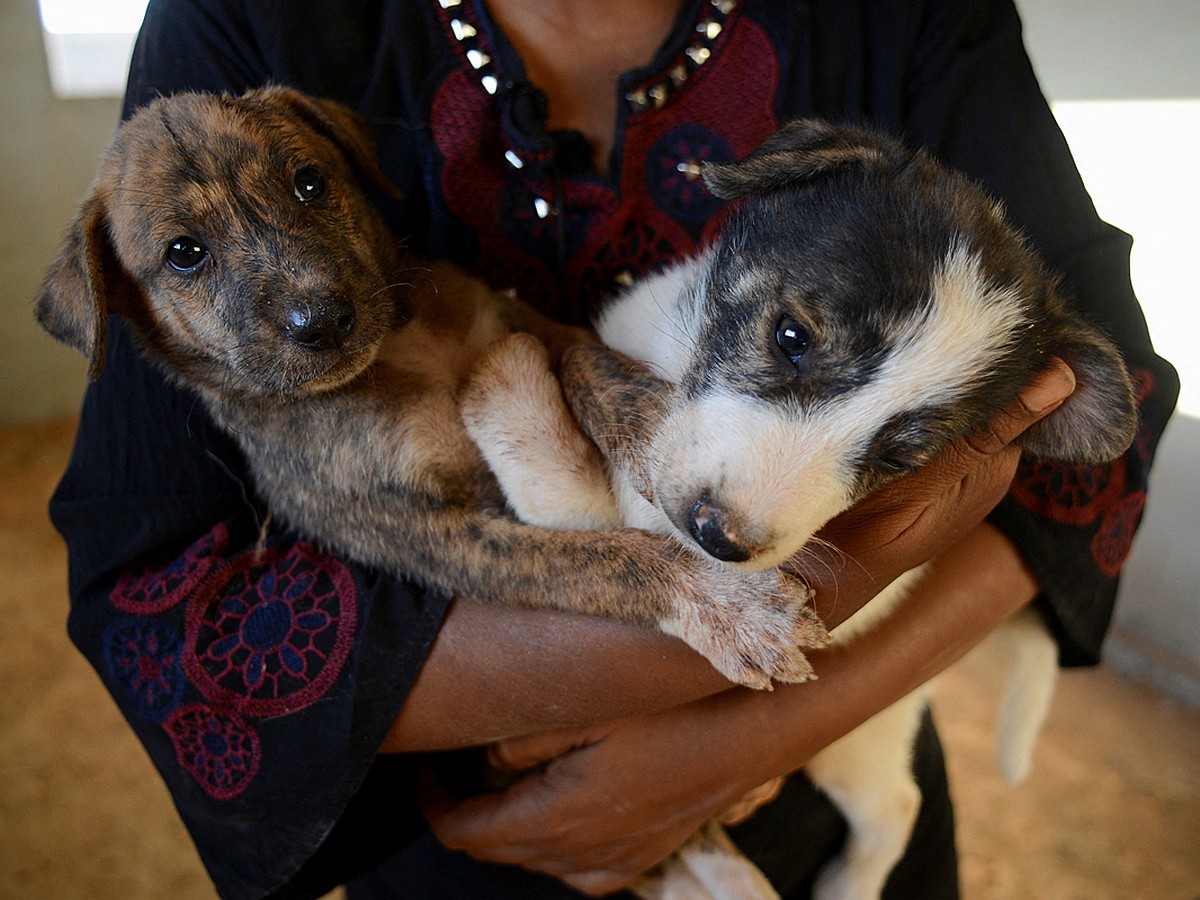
x: 792, y: 338
x: 886, y: 465
x: 185, y: 253
x: 308, y: 183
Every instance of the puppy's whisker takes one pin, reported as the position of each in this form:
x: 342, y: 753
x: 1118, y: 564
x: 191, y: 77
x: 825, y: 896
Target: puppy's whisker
x: 678, y: 334
x: 389, y: 287
x: 822, y: 555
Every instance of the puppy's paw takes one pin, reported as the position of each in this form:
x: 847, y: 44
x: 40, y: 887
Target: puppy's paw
x: 514, y: 411
x: 752, y: 626
x: 504, y: 378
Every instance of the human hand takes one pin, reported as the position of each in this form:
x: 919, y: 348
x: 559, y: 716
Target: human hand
x: 613, y: 799
x: 912, y: 519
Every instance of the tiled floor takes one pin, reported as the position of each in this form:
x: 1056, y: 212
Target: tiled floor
x: 1111, y: 811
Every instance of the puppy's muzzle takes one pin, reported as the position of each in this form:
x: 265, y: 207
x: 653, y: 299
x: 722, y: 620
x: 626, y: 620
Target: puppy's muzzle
x: 711, y: 527
x: 320, y: 325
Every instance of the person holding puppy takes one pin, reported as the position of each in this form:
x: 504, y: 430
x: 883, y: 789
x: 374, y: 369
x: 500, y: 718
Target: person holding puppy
x: 286, y: 696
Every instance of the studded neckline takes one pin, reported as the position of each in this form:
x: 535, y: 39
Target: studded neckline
x: 474, y: 40
x: 536, y: 211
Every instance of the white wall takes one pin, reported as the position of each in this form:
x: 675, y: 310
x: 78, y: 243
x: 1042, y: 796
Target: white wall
x: 47, y: 153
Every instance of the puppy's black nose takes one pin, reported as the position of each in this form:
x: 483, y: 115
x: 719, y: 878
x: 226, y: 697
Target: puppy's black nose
x: 711, y: 530
x: 320, y: 325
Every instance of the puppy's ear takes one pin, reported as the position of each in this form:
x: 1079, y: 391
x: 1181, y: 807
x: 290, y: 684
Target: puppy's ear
x: 341, y: 125
x: 85, y: 283
x: 1097, y: 422
x: 798, y: 152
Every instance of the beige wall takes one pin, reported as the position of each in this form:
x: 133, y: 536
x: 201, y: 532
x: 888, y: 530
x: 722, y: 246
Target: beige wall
x: 47, y: 153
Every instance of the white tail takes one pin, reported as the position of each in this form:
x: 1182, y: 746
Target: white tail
x: 1027, y: 697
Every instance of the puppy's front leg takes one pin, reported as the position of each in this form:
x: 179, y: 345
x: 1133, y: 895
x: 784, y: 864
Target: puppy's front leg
x: 519, y: 316
x: 513, y: 408
x: 752, y: 626
x: 620, y: 403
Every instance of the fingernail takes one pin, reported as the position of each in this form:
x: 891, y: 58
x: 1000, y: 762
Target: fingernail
x: 1049, y: 389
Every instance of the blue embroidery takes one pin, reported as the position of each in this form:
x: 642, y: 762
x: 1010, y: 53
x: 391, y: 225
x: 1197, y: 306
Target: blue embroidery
x: 143, y: 657
x: 673, y: 169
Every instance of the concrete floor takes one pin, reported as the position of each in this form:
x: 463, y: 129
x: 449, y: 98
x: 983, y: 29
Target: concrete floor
x: 1111, y: 811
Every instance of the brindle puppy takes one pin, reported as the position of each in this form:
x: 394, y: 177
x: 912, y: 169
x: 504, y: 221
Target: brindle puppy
x: 235, y: 236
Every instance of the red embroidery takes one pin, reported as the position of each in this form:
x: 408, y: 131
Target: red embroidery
x: 156, y: 588
x: 657, y: 213
x: 273, y: 637
x: 143, y: 658
x: 1070, y: 495
x: 1113, y: 541
x: 222, y: 752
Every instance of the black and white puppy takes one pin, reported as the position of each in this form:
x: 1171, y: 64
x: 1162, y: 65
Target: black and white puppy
x: 863, y: 308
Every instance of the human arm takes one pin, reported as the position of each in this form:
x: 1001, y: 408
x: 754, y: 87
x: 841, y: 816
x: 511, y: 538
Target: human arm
x: 619, y: 796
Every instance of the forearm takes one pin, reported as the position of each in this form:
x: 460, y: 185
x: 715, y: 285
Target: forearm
x: 676, y: 769
x: 496, y: 672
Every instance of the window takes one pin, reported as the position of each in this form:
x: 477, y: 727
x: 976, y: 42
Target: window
x: 88, y: 44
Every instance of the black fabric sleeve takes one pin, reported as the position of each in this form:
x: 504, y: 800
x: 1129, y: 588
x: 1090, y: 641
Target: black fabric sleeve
x: 261, y: 678
x: 971, y: 97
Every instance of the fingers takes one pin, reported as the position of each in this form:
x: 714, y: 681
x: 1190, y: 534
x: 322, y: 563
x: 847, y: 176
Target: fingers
x: 519, y: 754
x: 527, y: 825
x: 1048, y: 390
x: 1037, y: 400
x: 476, y: 825
x: 910, y: 520
x: 990, y: 455
x: 598, y: 883
x: 516, y: 826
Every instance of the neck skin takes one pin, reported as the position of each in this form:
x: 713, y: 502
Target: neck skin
x: 576, y: 50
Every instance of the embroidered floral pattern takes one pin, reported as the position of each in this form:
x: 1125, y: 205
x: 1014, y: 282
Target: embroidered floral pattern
x: 274, y: 636
x: 1067, y: 494
x: 143, y: 657
x: 1114, y: 539
x: 514, y: 209
x: 156, y: 588
x: 222, y: 752
x: 265, y: 634
x: 673, y: 172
